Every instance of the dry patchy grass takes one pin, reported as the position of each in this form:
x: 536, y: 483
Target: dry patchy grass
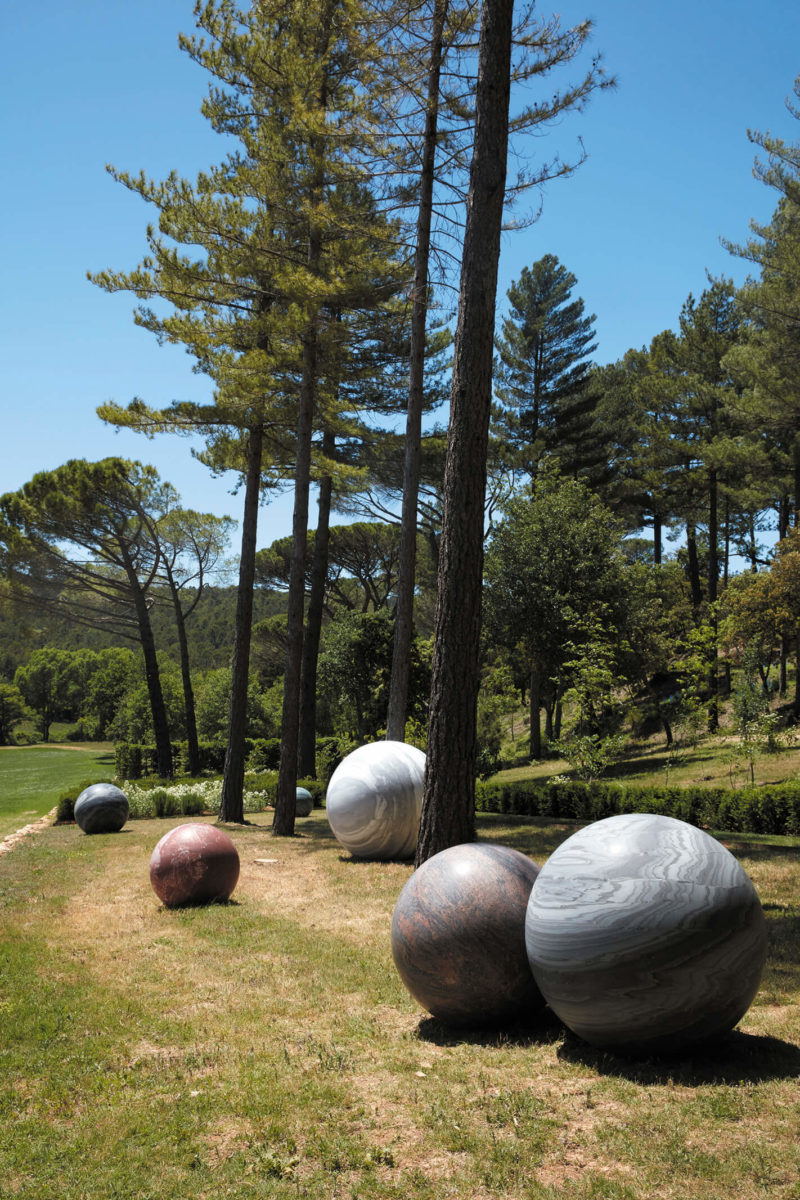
x: 266, y: 1047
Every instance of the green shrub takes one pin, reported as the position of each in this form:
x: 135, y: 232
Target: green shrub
x: 65, y: 805
x: 265, y: 755
x: 769, y: 808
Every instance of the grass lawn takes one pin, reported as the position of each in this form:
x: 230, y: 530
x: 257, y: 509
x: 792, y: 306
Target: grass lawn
x: 33, y: 777
x: 266, y: 1047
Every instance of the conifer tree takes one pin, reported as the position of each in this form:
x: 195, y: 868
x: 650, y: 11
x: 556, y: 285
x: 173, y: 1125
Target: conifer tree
x: 544, y: 365
x: 288, y: 237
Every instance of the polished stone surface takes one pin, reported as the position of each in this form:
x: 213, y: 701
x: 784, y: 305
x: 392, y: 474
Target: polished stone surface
x: 458, y: 935
x: 101, y: 808
x: 644, y: 934
x: 304, y: 802
x: 194, y: 864
x: 374, y: 800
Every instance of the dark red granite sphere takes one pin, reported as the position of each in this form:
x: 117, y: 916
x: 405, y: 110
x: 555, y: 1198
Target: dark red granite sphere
x: 194, y: 864
x: 458, y: 935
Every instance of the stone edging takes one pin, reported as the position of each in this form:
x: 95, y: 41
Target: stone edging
x: 12, y: 839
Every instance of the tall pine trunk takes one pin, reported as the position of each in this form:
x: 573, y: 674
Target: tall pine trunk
x: 404, y: 610
x: 153, y: 677
x: 192, y: 746
x: 713, y: 579
x: 448, y: 808
x: 535, y: 711
x: 286, y: 799
x: 307, y: 751
x: 694, y: 566
x: 232, y: 803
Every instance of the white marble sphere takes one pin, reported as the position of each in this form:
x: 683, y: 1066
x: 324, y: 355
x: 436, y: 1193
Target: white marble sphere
x: 644, y: 935
x: 303, y: 802
x: 374, y: 800
x: 101, y: 808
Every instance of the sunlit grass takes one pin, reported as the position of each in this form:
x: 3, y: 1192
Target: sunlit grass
x: 33, y: 777
x: 266, y: 1047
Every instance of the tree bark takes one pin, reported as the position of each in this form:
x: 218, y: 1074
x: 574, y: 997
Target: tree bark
x: 404, y: 610
x: 192, y: 746
x: 694, y: 567
x: 153, y: 677
x: 657, y: 539
x: 448, y: 808
x: 535, y: 709
x: 307, y: 753
x: 286, y: 799
x: 713, y: 579
x: 232, y: 803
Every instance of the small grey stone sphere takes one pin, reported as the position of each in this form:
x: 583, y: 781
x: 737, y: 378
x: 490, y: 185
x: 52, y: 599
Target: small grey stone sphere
x: 304, y: 802
x: 645, y: 935
x: 101, y: 808
x: 374, y: 800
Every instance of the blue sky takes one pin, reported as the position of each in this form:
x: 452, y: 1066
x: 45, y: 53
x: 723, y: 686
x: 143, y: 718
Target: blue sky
x: 88, y: 82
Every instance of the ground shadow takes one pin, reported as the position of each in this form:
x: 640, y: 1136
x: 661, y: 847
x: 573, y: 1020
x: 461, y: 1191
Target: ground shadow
x: 544, y: 1030
x: 735, y: 1058
x: 758, y: 851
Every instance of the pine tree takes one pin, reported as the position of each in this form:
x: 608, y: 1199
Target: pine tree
x: 89, y: 532
x: 544, y: 366
x: 289, y: 238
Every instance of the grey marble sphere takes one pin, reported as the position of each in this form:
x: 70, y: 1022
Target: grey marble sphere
x: 101, y: 808
x: 374, y: 800
x: 458, y: 935
x: 645, y: 935
x: 304, y: 802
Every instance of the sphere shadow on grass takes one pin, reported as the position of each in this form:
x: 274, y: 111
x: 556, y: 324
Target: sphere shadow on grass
x: 733, y: 1058
x: 542, y: 1030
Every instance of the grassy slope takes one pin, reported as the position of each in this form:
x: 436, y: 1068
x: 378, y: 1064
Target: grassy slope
x: 33, y: 777
x: 708, y: 763
x: 266, y: 1048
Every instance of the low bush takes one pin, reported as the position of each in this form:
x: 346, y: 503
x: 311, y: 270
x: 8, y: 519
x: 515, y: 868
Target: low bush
x: 65, y: 805
x: 769, y: 808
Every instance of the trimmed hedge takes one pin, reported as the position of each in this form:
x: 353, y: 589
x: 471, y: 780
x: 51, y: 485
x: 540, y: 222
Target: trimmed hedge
x: 769, y: 808
x: 136, y: 761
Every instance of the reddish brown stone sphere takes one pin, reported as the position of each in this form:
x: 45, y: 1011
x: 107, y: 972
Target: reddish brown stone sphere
x: 458, y: 935
x: 194, y: 864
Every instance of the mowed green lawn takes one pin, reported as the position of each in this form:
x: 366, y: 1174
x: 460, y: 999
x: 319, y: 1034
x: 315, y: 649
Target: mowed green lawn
x: 33, y: 777
x: 266, y: 1048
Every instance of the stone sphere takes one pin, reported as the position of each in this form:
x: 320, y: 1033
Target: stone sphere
x: 194, y: 864
x: 374, y: 800
x: 101, y: 808
x: 645, y: 935
x: 304, y: 802
x: 458, y: 935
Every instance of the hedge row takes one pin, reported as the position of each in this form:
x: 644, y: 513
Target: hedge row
x: 134, y: 761
x: 769, y: 808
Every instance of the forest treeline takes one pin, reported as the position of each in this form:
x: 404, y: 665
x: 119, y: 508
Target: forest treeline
x: 600, y: 512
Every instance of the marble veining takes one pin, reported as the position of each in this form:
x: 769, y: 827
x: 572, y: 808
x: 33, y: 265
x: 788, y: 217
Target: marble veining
x: 374, y: 800
x: 458, y: 935
x: 101, y: 808
x: 194, y: 864
x: 644, y: 934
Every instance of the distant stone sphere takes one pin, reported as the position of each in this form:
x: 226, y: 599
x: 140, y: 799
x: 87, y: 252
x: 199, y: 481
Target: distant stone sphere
x: 374, y: 800
x: 194, y: 864
x: 645, y: 935
x: 101, y: 808
x: 458, y: 935
x: 304, y: 802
